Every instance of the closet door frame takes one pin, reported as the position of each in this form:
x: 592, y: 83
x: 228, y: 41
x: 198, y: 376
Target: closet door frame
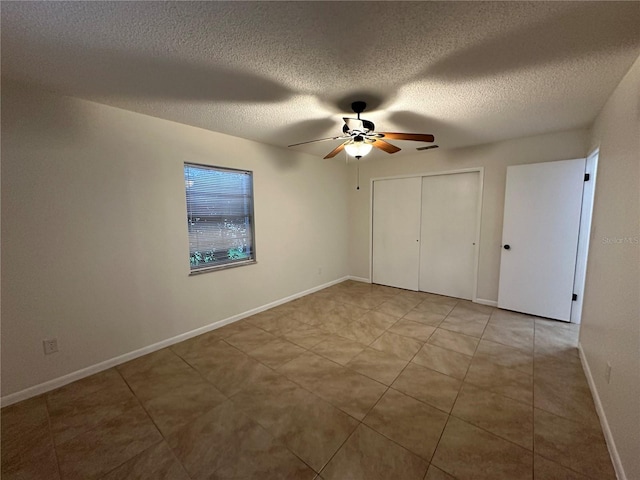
x: 430, y: 174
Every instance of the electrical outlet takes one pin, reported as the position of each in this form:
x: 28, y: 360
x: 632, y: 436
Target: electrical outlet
x: 50, y: 346
x: 607, y: 373
x: 319, y: 270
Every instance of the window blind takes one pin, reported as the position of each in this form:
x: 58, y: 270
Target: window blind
x: 219, y: 216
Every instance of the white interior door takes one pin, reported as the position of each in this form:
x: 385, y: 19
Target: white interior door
x: 540, y: 237
x: 449, y: 230
x: 396, y: 232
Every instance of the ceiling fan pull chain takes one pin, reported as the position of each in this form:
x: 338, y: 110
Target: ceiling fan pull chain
x: 358, y: 173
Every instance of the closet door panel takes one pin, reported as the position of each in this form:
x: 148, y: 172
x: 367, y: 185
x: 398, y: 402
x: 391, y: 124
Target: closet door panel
x: 448, y: 237
x: 396, y: 232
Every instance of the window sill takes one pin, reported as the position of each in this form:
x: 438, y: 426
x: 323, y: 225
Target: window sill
x: 225, y: 266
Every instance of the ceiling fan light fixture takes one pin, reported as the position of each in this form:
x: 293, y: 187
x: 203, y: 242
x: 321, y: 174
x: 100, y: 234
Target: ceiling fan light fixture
x: 359, y: 137
x: 358, y: 148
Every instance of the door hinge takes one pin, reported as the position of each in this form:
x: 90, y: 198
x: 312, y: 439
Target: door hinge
x: 574, y: 297
x: 586, y: 177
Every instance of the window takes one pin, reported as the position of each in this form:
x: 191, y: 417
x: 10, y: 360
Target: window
x: 219, y: 217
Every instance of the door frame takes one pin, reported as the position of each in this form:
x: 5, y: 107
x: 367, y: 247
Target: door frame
x: 476, y: 261
x: 584, y: 236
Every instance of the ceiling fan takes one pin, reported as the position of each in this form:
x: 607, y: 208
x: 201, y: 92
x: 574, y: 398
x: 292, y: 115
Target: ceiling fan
x: 360, y: 137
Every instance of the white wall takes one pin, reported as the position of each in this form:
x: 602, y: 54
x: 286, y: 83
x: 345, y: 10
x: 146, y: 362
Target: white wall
x: 94, y: 234
x: 610, y: 330
x: 493, y: 157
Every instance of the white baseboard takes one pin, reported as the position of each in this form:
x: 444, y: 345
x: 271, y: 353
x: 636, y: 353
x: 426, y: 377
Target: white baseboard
x: 359, y: 279
x: 112, y: 362
x: 482, y: 301
x: 608, y: 436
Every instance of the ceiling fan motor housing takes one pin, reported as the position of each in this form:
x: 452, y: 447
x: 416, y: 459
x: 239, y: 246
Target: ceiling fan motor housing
x: 358, y: 107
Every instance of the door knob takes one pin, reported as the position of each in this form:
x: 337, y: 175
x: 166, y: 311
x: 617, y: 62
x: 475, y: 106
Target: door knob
x: 507, y: 247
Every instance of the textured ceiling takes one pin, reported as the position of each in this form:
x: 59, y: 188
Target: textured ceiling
x: 286, y: 72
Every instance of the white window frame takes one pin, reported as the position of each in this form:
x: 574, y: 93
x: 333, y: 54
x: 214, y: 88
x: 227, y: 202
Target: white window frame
x: 205, y: 267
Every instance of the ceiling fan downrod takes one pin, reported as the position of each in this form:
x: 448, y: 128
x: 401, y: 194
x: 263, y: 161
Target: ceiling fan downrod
x: 358, y: 107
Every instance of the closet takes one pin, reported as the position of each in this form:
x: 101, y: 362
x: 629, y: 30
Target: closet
x: 425, y: 232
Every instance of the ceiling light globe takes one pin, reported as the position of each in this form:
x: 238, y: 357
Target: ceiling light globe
x: 358, y: 149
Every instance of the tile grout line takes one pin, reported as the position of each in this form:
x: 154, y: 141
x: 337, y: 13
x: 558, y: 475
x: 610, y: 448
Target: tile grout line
x: 387, y: 437
x: 407, y: 364
x: 98, y: 425
x: 388, y: 387
x: 346, y: 439
x: 292, y: 380
x: 453, y: 404
x: 435, y: 450
x: 53, y: 443
x: 587, y: 476
x: 462, y: 382
x: 164, y: 439
x: 227, y: 398
x: 339, y: 448
x: 476, y: 426
x: 535, y: 329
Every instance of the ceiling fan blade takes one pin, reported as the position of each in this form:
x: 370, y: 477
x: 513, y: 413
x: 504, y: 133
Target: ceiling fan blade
x: 386, y: 146
x: 319, y: 140
x: 354, y: 124
x: 418, y: 137
x: 336, y: 150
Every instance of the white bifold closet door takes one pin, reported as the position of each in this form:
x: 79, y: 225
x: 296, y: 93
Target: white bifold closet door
x: 449, y: 231
x: 396, y: 232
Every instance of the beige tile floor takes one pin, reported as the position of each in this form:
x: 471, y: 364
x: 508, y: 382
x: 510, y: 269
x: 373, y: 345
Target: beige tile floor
x: 356, y: 381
